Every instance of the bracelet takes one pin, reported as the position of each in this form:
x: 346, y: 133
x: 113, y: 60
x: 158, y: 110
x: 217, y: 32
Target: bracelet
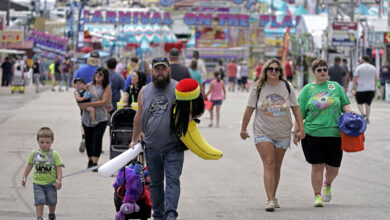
x: 24, y: 177
x: 244, y: 132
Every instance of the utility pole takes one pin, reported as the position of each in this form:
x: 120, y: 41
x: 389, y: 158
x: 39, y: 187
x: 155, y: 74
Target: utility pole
x: 8, y: 13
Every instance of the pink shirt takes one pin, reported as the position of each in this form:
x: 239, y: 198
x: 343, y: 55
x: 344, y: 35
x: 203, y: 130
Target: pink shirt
x: 216, y: 93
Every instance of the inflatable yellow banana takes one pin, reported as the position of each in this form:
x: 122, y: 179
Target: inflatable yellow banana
x: 198, y: 145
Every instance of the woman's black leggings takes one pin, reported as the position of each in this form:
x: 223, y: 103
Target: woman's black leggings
x: 94, y: 138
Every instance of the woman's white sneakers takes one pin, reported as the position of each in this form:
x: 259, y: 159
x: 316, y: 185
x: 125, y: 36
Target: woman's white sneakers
x: 271, y: 205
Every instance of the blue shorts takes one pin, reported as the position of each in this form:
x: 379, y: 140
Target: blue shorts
x: 278, y: 143
x: 45, y: 194
x: 216, y: 102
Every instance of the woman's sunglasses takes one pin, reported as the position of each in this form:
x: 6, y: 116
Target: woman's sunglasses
x: 99, y: 73
x: 322, y: 70
x: 273, y: 69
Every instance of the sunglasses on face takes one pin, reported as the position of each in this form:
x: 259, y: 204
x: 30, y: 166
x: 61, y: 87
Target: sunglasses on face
x: 273, y: 69
x: 322, y: 70
x: 99, y: 73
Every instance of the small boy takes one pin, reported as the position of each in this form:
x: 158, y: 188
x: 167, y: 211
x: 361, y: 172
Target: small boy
x: 47, y: 174
x: 81, y: 95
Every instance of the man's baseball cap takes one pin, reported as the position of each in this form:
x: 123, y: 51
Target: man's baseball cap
x: 160, y: 61
x: 94, y: 54
x: 79, y: 79
x: 174, y: 52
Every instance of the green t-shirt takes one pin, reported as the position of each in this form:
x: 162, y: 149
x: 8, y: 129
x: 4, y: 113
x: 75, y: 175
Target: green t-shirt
x: 321, y: 106
x: 44, y: 174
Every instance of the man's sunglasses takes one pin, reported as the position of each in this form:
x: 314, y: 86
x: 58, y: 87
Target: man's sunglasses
x: 322, y: 70
x: 275, y: 69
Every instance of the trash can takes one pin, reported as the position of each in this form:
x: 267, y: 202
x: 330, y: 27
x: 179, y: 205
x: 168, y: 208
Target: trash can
x: 387, y: 89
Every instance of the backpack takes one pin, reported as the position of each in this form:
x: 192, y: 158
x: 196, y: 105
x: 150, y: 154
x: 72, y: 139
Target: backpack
x: 287, y: 87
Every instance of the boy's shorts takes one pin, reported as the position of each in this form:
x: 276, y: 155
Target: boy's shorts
x: 45, y: 194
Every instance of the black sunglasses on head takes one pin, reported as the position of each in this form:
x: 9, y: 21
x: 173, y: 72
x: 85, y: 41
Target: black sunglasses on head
x: 160, y: 59
x: 321, y: 70
x: 275, y: 69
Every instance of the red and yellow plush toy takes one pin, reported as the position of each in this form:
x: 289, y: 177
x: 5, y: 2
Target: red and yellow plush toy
x: 189, y: 104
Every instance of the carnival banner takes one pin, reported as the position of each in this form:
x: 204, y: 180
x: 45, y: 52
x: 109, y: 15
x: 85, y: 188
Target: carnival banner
x: 48, y: 42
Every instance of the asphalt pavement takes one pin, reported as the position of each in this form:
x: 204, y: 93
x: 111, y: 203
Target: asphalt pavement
x: 230, y: 188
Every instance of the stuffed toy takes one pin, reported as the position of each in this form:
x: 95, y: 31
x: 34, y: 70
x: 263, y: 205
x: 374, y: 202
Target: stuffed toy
x: 189, y: 105
x: 133, y: 186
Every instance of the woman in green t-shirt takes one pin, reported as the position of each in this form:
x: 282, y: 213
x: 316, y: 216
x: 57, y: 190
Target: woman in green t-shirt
x: 321, y: 103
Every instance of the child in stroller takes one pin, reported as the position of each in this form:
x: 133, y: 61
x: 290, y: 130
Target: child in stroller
x: 18, y: 80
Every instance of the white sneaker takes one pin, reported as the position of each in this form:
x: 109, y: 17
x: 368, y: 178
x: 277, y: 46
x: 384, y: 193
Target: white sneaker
x: 270, y: 206
x: 276, y: 203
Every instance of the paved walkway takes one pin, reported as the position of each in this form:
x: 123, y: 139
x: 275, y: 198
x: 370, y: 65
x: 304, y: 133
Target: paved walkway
x: 230, y: 188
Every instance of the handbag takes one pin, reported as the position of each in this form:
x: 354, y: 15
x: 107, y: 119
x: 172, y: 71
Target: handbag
x: 352, y: 144
x: 208, y: 104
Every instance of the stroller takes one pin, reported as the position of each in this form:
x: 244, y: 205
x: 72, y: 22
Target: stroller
x: 144, y: 201
x: 121, y: 131
x: 18, y: 82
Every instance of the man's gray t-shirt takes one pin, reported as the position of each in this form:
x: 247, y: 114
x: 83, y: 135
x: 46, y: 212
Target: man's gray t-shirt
x: 337, y: 74
x: 156, y: 116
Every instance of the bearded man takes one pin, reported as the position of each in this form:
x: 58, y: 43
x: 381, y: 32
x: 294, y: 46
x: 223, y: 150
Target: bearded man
x: 163, y: 158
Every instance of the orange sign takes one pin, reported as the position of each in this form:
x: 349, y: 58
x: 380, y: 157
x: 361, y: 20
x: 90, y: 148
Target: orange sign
x: 386, y: 38
x: 11, y: 36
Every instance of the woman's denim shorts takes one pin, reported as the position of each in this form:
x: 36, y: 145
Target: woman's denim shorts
x: 278, y: 143
x: 45, y: 194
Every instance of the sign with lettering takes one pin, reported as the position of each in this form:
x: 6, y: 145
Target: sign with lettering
x: 344, y: 34
x: 191, y: 18
x: 11, y: 36
x: 127, y: 17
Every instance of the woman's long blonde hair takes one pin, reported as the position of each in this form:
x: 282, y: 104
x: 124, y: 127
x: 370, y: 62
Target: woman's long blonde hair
x: 263, y: 74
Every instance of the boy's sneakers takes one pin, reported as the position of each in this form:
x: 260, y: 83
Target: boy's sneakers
x: 52, y: 216
x: 82, y: 146
x: 270, y: 206
x: 326, y: 195
x: 318, y: 201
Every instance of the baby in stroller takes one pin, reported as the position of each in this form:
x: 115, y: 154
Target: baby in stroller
x: 81, y: 95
